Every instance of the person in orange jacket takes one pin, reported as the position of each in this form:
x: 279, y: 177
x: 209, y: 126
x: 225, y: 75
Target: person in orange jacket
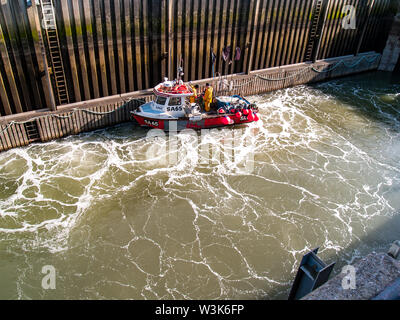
x: 208, y: 97
x: 195, y: 89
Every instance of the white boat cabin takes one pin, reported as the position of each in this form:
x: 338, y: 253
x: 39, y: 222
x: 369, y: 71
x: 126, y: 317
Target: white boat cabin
x: 168, y: 108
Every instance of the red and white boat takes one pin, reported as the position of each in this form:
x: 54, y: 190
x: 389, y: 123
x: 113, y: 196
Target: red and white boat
x: 172, y: 111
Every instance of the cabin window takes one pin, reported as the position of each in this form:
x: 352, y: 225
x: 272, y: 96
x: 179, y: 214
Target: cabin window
x: 174, y: 102
x: 161, y: 100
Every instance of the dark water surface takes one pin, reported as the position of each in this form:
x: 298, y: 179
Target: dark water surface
x: 115, y: 225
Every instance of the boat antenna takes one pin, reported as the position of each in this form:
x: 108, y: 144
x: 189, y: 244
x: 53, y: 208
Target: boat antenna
x: 180, y: 70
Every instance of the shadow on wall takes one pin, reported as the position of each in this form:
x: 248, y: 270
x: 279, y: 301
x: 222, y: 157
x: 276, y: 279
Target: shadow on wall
x: 397, y: 68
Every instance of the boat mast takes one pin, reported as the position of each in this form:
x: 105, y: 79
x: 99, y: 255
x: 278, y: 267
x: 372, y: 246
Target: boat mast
x: 180, y: 72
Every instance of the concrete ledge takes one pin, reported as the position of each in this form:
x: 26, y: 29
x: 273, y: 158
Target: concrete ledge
x: 374, y: 273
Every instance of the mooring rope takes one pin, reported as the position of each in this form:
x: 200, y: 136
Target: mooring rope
x: 342, y: 62
x: 64, y: 117
x: 284, y: 78
x: 21, y: 122
x: 242, y: 84
x: 9, y: 125
x: 112, y: 111
x: 72, y: 112
x: 334, y: 67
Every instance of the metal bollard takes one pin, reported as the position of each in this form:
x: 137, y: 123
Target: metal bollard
x: 312, y: 273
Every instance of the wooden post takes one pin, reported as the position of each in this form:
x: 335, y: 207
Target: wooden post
x: 7, y: 101
x: 170, y: 40
x: 49, y: 90
x: 253, y: 38
x: 371, y: 5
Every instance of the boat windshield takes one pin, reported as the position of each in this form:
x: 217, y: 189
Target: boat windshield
x: 174, y: 101
x: 161, y: 100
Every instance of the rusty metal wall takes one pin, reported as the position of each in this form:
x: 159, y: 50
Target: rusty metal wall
x: 22, y: 83
x: 337, y: 41
x: 112, y: 47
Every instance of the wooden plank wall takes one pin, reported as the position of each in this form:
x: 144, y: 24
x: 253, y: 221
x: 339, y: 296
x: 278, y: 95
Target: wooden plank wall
x: 23, y: 87
x: 113, y: 47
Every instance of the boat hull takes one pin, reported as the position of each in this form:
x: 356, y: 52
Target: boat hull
x: 208, y: 122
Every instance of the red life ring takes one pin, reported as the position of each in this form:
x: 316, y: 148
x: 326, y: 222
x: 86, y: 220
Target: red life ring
x: 180, y: 89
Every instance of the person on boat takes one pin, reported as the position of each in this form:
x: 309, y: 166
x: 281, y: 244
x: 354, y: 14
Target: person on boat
x: 214, y: 105
x: 195, y: 88
x: 208, y: 97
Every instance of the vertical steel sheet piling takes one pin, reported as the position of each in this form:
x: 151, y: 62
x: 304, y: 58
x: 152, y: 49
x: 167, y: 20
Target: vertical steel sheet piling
x: 113, y: 47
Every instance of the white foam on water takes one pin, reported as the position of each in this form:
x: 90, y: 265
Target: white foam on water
x: 318, y: 179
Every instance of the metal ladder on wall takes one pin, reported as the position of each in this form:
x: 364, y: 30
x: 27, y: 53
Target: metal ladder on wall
x: 53, y: 43
x: 32, y: 131
x: 313, y: 39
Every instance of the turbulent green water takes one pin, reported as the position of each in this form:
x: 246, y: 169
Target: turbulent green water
x: 326, y: 173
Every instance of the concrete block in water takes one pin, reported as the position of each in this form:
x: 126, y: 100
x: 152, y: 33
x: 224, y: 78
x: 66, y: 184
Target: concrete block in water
x: 374, y: 273
x: 391, y: 53
x: 394, y: 250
